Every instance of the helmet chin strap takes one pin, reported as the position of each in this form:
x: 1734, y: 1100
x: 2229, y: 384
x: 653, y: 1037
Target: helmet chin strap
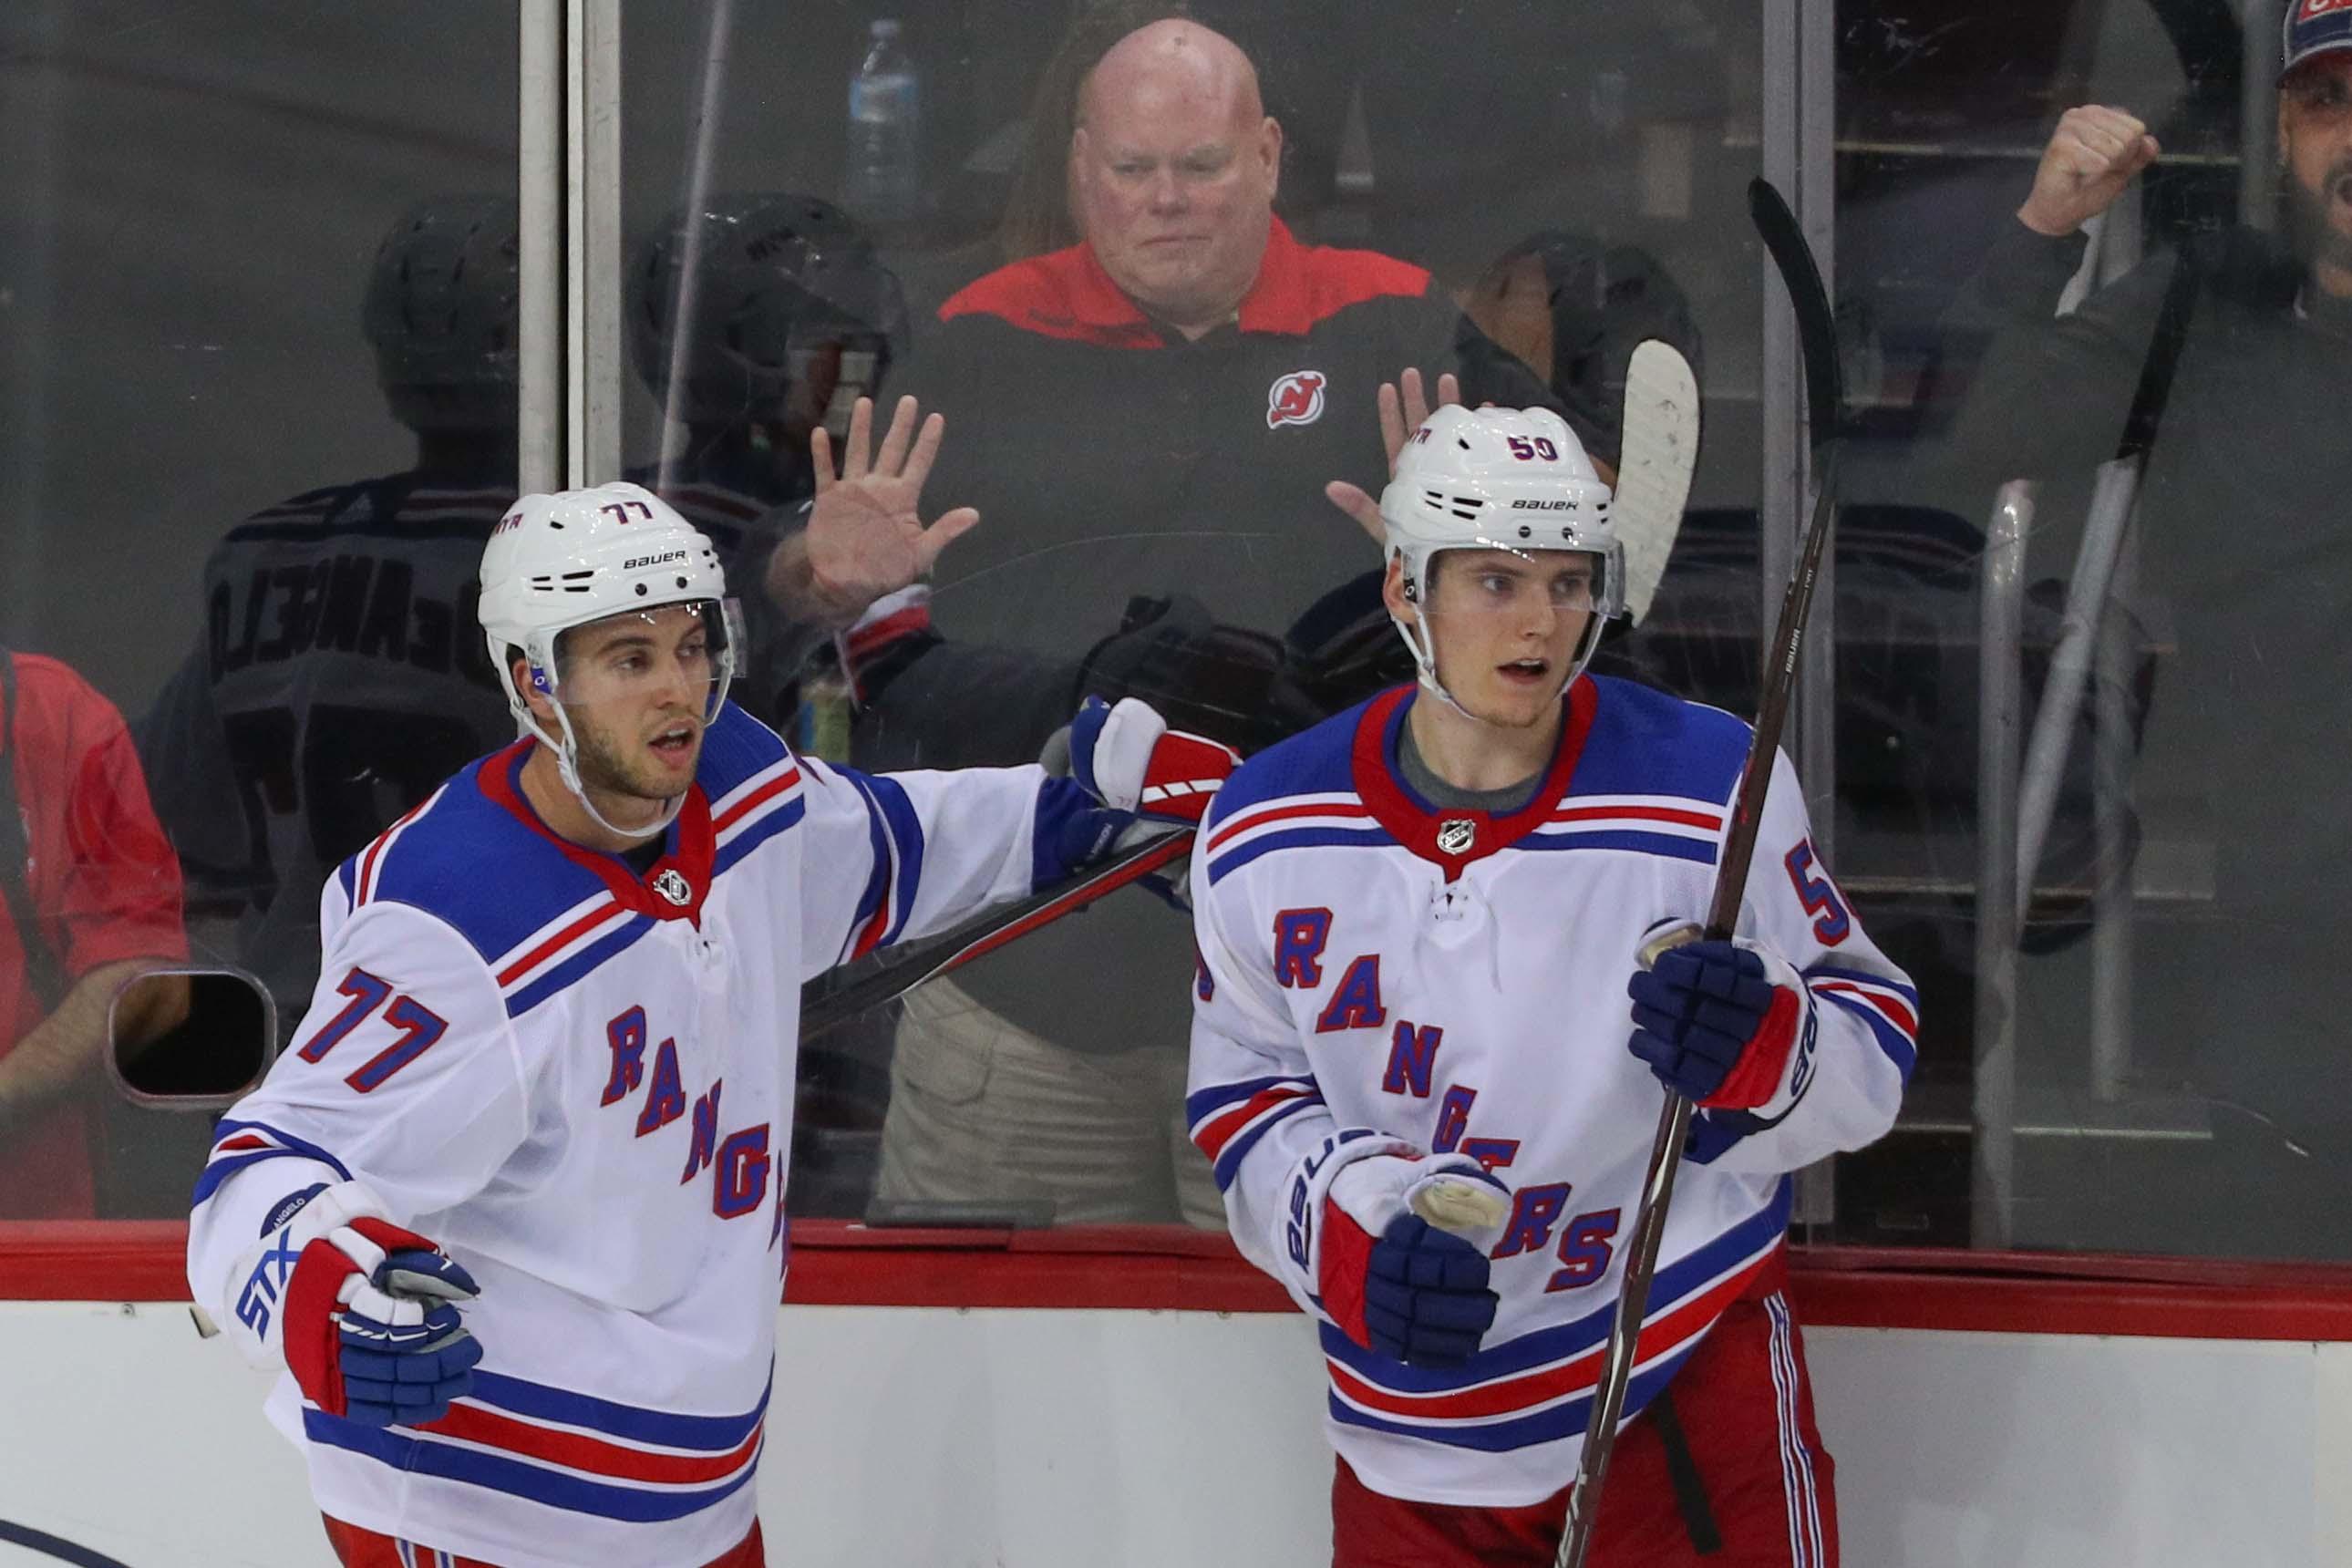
x: 567, y: 767
x: 1424, y: 657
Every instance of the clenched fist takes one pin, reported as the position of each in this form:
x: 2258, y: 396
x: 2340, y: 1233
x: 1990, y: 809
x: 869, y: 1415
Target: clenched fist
x: 2092, y: 156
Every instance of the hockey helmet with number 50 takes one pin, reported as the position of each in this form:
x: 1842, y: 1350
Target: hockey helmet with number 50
x: 1498, y: 479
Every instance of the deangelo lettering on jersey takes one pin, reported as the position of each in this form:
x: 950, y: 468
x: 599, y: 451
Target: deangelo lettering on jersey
x: 348, y: 603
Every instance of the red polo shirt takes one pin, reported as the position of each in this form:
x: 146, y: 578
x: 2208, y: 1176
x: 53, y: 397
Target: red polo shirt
x: 103, y: 886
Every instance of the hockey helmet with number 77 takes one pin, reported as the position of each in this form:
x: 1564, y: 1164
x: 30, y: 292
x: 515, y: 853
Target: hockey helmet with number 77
x: 1498, y: 479
x: 559, y: 562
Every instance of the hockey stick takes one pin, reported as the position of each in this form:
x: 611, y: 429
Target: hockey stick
x: 1657, y: 455
x: 831, y: 1000
x: 2112, y: 500
x: 1817, y: 336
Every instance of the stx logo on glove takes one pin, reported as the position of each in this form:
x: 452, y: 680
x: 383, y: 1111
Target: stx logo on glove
x: 266, y: 1283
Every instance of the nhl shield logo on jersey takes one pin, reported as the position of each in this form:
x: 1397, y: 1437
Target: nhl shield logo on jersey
x: 672, y: 885
x: 1456, y: 835
x: 1295, y: 399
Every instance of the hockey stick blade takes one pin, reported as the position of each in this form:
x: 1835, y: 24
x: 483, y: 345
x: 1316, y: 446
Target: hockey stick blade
x: 1800, y: 275
x: 1657, y: 455
x: 1824, y: 389
x: 840, y: 994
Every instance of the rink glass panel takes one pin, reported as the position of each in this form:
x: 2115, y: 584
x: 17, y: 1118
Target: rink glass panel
x: 2157, y: 1068
x: 1519, y: 156
x: 200, y: 206
x: 196, y: 204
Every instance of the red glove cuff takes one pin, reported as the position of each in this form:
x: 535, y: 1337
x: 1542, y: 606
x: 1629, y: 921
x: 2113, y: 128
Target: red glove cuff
x: 313, y: 1304
x: 1182, y: 776
x: 1345, y: 1262
x: 1755, y: 1077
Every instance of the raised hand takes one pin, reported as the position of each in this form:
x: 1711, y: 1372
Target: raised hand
x: 2095, y: 153
x: 865, y: 536
x: 1402, y: 406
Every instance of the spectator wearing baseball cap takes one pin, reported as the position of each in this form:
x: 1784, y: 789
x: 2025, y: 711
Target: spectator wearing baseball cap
x: 2313, y: 28
x: 2245, y: 535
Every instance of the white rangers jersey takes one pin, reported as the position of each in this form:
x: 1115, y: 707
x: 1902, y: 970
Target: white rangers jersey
x: 578, y: 1081
x: 1458, y: 980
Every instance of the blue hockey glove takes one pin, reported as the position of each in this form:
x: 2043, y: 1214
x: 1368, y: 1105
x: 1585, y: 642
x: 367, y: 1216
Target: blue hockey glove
x: 1728, y: 1025
x: 373, y: 1332
x: 1391, y: 1281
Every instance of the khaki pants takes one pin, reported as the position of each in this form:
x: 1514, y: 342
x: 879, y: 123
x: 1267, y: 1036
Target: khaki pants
x: 982, y: 1110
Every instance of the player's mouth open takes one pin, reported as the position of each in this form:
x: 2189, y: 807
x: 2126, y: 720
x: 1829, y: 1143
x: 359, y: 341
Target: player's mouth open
x: 674, y: 742
x: 1528, y: 672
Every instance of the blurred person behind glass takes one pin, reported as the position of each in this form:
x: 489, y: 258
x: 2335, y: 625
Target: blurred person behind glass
x: 1147, y: 419
x: 339, y: 682
x: 90, y: 898
x: 789, y: 319
x: 2242, y: 527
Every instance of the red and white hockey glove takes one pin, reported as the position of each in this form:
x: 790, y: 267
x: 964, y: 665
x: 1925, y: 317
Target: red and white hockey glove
x: 1728, y: 1025
x: 362, y: 1312
x: 1392, y: 1281
x: 1128, y: 758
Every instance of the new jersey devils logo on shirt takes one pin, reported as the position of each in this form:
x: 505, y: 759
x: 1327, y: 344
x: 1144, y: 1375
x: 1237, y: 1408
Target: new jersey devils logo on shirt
x: 672, y: 885
x: 1295, y: 399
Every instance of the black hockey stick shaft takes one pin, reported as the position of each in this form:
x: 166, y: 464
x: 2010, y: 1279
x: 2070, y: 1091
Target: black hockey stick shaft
x: 1817, y: 337
x: 826, y: 1004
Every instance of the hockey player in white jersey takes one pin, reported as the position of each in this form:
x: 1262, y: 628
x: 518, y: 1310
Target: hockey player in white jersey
x: 1416, y: 924
x: 509, y: 1214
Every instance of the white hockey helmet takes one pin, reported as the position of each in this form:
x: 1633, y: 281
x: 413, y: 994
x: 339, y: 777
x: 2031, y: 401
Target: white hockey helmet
x: 561, y: 561
x: 1498, y: 479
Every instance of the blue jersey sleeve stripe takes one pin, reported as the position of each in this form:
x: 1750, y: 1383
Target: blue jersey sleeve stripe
x: 221, y: 1169
x: 1229, y: 1162
x: 907, y: 833
x: 1899, y: 1050
x: 209, y: 1180
x: 227, y: 1127
x: 887, y: 800
x: 1059, y: 803
x: 877, y: 879
x: 1218, y: 1095
x: 1909, y: 992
